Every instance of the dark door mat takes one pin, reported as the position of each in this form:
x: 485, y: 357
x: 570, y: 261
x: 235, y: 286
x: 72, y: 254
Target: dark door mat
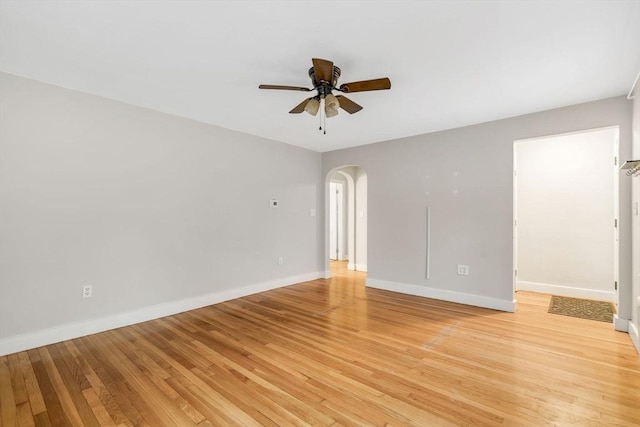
x: 601, y: 311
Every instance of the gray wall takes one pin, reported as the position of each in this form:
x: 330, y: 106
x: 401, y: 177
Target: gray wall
x: 146, y: 207
x: 465, y: 176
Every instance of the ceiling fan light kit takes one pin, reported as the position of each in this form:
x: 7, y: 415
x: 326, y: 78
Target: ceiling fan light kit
x: 324, y: 78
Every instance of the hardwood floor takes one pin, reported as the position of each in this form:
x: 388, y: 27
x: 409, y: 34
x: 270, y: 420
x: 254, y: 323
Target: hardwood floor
x: 332, y: 352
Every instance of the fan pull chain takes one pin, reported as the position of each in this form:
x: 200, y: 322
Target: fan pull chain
x: 323, y: 119
x: 324, y: 116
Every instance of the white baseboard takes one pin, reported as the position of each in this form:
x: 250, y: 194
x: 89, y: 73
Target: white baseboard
x: 620, y: 324
x: 635, y: 337
x: 56, y: 334
x: 357, y: 267
x: 566, y: 291
x: 327, y: 275
x: 445, y: 295
x: 361, y: 267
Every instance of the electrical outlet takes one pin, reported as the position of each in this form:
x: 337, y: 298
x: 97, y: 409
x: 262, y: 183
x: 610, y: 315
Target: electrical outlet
x: 87, y: 292
x: 463, y: 270
x: 280, y: 261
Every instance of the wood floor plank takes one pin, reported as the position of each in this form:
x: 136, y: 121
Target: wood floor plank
x: 42, y: 420
x: 87, y: 362
x: 98, y: 409
x: 18, y: 385
x: 36, y: 400
x: 24, y: 415
x: 235, y: 414
x: 149, y: 376
x: 199, y: 399
x: 118, y: 397
x: 67, y: 395
x: 8, y: 416
x: 55, y: 414
x: 333, y: 353
x: 158, y: 402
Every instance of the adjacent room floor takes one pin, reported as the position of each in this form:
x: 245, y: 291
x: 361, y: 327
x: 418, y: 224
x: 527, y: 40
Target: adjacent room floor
x: 332, y: 352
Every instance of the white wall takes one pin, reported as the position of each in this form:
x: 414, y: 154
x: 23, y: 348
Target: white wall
x: 634, y: 327
x: 565, y: 214
x: 465, y: 176
x: 159, y: 214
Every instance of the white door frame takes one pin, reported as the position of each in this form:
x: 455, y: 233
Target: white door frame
x: 336, y: 220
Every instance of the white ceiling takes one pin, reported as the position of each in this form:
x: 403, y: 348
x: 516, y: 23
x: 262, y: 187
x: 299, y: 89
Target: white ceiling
x: 451, y: 63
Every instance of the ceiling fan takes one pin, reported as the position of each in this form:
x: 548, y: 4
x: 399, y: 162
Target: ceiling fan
x: 324, y: 77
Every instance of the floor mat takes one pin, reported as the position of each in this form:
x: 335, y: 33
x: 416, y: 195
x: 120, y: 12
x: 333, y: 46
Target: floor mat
x: 601, y: 311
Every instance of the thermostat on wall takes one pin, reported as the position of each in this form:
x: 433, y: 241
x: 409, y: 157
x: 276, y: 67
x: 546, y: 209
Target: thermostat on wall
x: 273, y: 203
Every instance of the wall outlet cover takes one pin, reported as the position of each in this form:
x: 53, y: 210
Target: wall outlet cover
x: 87, y: 291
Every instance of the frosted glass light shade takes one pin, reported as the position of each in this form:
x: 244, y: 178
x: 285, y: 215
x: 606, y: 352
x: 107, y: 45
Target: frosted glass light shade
x: 312, y: 107
x: 330, y: 112
x: 331, y: 105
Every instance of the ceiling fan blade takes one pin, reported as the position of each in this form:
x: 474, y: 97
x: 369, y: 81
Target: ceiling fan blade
x: 366, y: 85
x: 323, y: 70
x: 348, y: 105
x: 302, y: 89
x: 300, y: 107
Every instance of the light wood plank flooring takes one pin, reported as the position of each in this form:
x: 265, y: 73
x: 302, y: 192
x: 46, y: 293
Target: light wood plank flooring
x: 332, y: 352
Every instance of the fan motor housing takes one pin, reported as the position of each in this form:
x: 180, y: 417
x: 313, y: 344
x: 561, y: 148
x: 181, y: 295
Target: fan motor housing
x: 336, y: 75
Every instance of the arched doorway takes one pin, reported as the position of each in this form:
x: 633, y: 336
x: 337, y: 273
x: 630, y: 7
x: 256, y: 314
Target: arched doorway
x: 346, y: 217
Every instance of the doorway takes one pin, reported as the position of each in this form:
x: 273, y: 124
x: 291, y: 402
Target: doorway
x: 346, y: 224
x: 566, y: 214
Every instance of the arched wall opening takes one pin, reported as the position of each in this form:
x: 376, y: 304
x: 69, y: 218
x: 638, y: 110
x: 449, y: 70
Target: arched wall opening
x: 350, y: 244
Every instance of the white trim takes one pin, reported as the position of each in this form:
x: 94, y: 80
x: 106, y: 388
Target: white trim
x: 351, y: 266
x: 361, y: 267
x: 445, y: 295
x: 576, y: 132
x: 565, y: 291
x: 635, y: 337
x: 428, y: 245
x: 56, y: 334
x: 619, y: 324
x: 327, y: 275
x: 633, y: 86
